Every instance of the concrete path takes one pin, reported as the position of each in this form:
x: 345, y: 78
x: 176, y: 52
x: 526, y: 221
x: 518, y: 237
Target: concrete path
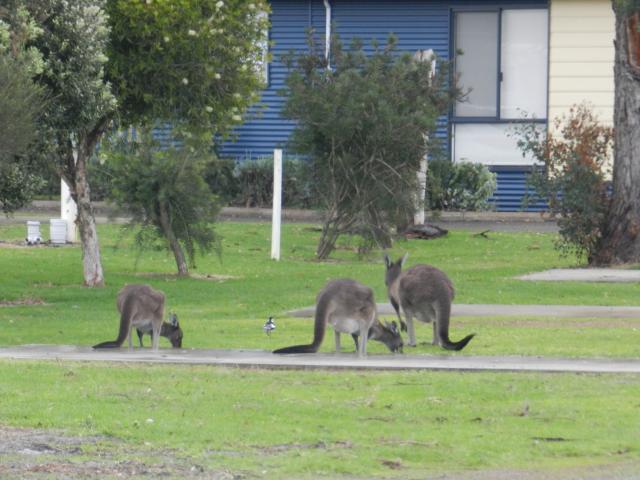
x: 609, y: 275
x: 481, y: 310
x: 264, y: 359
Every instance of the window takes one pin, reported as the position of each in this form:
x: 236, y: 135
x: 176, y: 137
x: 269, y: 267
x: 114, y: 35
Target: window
x: 477, y: 68
x: 504, y: 67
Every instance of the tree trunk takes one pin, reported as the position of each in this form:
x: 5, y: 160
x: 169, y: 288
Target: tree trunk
x: 620, y: 242
x: 328, y: 238
x: 91, y: 262
x: 174, y: 244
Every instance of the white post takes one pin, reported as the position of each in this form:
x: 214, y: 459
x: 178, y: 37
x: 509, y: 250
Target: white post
x: 418, y: 217
x: 68, y: 211
x: 277, y: 204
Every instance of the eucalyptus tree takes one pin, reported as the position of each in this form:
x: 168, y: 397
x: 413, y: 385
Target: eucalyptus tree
x: 73, y: 44
x: 620, y: 242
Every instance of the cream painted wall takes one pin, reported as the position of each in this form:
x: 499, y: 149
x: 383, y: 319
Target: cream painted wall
x: 581, y: 56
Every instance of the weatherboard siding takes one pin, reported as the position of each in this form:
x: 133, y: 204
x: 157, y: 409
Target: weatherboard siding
x: 581, y: 53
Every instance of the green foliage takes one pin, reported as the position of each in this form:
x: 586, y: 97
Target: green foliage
x: 362, y: 124
x: 192, y: 62
x: 73, y: 73
x: 20, y: 103
x: 575, y: 157
x: 18, y: 185
x: 165, y: 193
x: 464, y: 186
x: 254, y: 179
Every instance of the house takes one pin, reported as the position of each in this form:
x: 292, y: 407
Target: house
x: 533, y: 56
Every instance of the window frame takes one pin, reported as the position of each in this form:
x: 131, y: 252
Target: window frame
x: 498, y: 9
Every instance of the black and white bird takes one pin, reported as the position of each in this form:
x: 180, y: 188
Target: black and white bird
x: 269, y: 326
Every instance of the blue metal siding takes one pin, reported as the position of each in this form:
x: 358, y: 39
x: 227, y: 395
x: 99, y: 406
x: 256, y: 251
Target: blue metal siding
x: 265, y: 129
x: 418, y: 24
x: 512, y: 187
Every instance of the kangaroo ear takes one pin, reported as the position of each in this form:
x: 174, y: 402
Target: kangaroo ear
x: 404, y: 259
x: 387, y: 260
x: 394, y: 327
x: 173, y: 319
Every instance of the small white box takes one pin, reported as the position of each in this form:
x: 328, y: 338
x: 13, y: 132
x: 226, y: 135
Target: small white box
x: 58, y: 231
x: 33, y: 232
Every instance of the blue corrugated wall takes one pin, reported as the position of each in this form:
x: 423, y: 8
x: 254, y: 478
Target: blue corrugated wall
x: 418, y: 24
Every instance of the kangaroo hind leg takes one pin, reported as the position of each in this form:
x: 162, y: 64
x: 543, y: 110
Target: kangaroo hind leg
x: 411, y: 329
x: 362, y: 348
x: 156, y: 328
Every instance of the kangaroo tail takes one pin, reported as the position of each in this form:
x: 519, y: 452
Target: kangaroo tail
x: 319, y: 327
x: 444, y: 314
x: 449, y: 345
x: 125, y: 320
x: 112, y: 344
x: 297, y: 349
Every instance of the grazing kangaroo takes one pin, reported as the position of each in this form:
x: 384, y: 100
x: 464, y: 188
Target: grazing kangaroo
x: 425, y: 293
x: 170, y: 330
x: 350, y: 308
x: 142, y: 307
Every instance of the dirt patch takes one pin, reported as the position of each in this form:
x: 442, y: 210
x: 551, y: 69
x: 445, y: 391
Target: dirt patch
x: 198, y: 276
x: 24, y: 245
x: 45, y: 454
x: 29, y: 301
x: 212, y: 277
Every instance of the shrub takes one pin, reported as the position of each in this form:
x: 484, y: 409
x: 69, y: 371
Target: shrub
x: 249, y: 183
x: 464, y: 186
x: 362, y: 123
x: 575, y: 159
x: 166, y: 195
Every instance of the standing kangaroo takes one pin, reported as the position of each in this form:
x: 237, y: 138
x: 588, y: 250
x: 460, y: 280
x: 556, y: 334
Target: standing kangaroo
x: 350, y: 308
x: 142, y: 307
x: 426, y: 293
x: 170, y: 330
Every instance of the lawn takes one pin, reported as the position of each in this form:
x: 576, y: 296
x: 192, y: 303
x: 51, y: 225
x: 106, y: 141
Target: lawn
x: 294, y: 424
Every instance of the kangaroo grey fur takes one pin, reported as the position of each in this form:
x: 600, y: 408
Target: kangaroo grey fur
x: 350, y: 308
x: 170, y: 330
x: 140, y: 306
x: 425, y: 293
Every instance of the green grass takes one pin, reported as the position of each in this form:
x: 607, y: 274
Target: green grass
x: 293, y: 424
x: 230, y: 313
x: 338, y: 424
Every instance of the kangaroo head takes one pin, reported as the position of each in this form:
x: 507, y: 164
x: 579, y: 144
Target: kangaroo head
x: 388, y: 334
x: 393, y: 268
x: 175, y: 332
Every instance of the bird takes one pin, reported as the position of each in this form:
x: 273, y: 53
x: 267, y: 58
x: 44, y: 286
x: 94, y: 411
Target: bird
x: 269, y: 326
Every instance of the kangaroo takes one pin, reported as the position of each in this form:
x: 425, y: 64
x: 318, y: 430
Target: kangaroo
x: 170, y: 330
x: 426, y: 293
x: 142, y: 307
x: 350, y: 308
